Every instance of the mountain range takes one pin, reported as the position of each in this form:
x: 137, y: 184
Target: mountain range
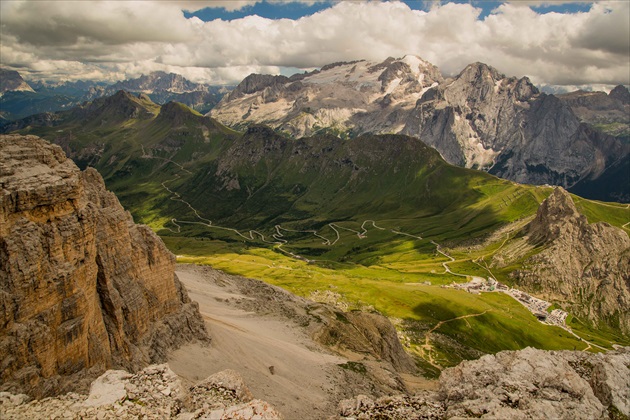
x: 477, y: 119
x: 164, y: 87
x: 20, y: 100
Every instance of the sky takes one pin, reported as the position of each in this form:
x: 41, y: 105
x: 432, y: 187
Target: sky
x: 560, y: 44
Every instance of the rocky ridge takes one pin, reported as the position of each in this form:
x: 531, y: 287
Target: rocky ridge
x: 154, y: 392
x: 610, y: 112
x: 340, y: 97
x: 82, y: 288
x: 521, y: 384
x: 584, y: 267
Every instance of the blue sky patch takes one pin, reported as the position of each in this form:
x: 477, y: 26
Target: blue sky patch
x: 296, y: 10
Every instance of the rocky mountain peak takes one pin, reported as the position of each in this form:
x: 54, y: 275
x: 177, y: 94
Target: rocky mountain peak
x: 411, y: 72
x: 621, y: 93
x: 482, y: 82
x: 255, y: 83
x: 480, y: 73
x: 584, y: 266
x: 525, y: 89
x: 555, y: 212
x: 11, y: 80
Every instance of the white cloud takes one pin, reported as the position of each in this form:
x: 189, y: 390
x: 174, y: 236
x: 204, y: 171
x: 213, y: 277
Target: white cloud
x: 132, y: 37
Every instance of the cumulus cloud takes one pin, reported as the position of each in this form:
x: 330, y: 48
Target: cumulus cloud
x: 127, y: 38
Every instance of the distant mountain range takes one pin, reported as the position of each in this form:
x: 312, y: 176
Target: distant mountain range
x: 20, y: 100
x: 477, y: 119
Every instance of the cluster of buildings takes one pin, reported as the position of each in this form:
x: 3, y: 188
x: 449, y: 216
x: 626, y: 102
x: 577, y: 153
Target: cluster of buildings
x: 536, y: 306
x: 479, y: 284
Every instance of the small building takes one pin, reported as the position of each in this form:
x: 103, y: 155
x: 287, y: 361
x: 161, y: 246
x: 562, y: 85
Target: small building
x: 542, y: 316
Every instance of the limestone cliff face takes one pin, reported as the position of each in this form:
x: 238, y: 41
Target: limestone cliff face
x: 483, y: 119
x: 585, y: 267
x: 82, y: 288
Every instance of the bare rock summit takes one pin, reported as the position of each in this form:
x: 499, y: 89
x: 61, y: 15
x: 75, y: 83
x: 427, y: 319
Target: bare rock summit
x: 11, y: 80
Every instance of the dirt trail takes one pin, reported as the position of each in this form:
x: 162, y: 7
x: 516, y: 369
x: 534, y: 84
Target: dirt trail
x: 427, y: 348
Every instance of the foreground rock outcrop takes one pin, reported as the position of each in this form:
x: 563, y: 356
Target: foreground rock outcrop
x: 155, y: 392
x: 585, y: 267
x: 526, y: 384
x: 82, y: 288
